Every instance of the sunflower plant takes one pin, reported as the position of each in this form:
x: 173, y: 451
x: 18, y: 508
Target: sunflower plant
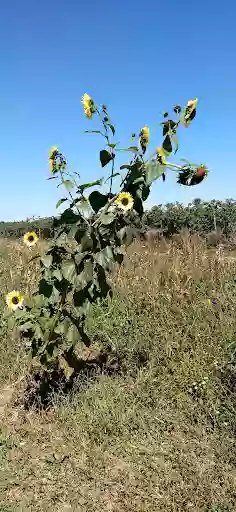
x: 91, y: 234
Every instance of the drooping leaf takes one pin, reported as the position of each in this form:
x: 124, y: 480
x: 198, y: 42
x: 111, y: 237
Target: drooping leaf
x: 68, y: 270
x: 107, y: 218
x: 133, y: 149
x: 153, y: 171
x: 57, y: 274
x: 47, y: 260
x: 91, y: 184
x: 112, y: 176
x: 126, y: 234
x: 105, y: 157
x: 105, y: 257
x: 61, y: 201
x: 125, y: 167
x: 45, y: 288
x: 62, y: 327
x: 167, y: 146
x: 113, y: 145
x: 112, y: 128
x: 92, y: 131
x: 68, y: 184
x: 86, y: 242
x: 97, y: 200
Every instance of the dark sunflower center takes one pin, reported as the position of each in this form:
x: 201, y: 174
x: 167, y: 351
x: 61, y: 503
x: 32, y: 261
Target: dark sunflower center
x: 125, y: 201
x: 30, y: 238
x: 15, y: 300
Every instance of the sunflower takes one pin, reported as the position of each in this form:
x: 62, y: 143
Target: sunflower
x: 124, y: 201
x: 88, y: 105
x: 30, y: 238
x: 52, y: 157
x: 15, y: 300
x: 161, y: 155
x: 190, y: 112
x: 144, y: 137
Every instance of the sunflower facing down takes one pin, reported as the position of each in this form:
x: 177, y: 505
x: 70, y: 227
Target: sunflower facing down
x: 161, y: 155
x: 52, y: 157
x: 14, y: 300
x: 30, y: 238
x: 88, y: 104
x: 190, y: 112
x: 124, y: 201
x: 144, y: 137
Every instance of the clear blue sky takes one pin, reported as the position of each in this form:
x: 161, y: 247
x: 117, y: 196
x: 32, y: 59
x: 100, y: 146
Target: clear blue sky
x: 139, y: 58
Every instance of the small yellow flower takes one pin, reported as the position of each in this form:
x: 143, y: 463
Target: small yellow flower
x: 30, y: 238
x: 124, y: 201
x: 88, y: 105
x: 144, y: 137
x: 14, y: 300
x: 161, y: 155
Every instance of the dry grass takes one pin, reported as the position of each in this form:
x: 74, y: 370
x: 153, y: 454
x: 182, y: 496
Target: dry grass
x: 159, y: 436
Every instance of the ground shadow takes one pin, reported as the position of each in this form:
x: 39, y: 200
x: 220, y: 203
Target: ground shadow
x: 44, y: 387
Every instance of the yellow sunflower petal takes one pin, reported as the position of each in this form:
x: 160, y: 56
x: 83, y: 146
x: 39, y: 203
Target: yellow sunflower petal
x: 14, y: 300
x: 30, y: 238
x: 124, y: 201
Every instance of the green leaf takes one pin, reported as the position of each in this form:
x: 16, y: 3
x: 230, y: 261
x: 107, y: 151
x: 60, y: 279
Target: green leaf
x: 57, y: 274
x: 26, y: 326
x: 113, y: 145
x: 112, y: 176
x: 47, y: 260
x: 133, y: 149
x: 107, y: 218
x: 97, y: 200
x: 68, y: 184
x: 126, y: 235
x: 86, y: 242
x: 125, y: 167
x: 62, y: 327
x: 92, y: 131
x: 91, y: 184
x: 68, y: 269
x: 61, y: 201
x: 45, y: 288
x: 112, y: 128
x: 105, y: 157
x: 154, y: 171
x: 105, y: 257
x: 167, y: 146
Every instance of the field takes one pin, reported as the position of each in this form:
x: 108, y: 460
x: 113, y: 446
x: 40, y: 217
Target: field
x: 157, y: 432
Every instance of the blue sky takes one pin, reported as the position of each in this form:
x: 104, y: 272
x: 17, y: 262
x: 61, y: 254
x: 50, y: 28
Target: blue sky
x: 138, y: 58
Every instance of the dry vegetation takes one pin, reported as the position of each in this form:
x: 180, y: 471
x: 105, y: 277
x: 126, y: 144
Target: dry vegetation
x: 159, y: 433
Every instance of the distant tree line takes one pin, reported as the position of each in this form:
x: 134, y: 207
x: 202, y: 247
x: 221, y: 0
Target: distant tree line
x: 199, y: 216
x: 44, y: 227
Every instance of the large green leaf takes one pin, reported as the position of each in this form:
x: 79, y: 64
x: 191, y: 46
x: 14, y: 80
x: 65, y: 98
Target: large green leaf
x: 126, y: 235
x: 105, y: 157
x: 154, y: 171
x: 68, y: 269
x: 91, y: 184
x: 105, y: 257
x: 107, y: 218
x: 97, y: 200
x: 61, y: 201
x: 47, y: 260
x: 68, y: 184
x: 45, y: 288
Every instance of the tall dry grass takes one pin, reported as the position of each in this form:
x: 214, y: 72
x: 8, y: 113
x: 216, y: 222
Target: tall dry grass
x: 159, y: 434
